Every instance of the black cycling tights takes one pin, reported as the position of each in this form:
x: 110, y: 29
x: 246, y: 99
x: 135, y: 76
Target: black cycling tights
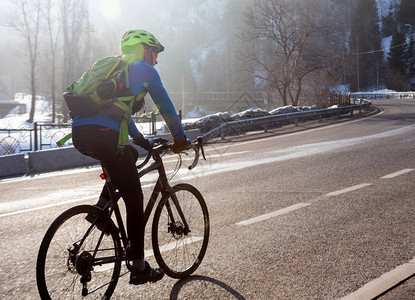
x: 101, y: 143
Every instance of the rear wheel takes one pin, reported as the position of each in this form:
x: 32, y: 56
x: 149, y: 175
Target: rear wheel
x: 76, y: 260
x: 179, y: 252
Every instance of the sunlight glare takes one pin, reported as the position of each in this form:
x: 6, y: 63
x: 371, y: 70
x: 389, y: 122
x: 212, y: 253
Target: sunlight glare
x: 110, y: 9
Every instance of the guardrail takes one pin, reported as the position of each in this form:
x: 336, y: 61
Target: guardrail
x: 386, y: 95
x: 267, y: 121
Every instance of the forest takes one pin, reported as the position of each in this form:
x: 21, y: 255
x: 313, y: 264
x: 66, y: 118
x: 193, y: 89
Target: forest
x: 296, y: 52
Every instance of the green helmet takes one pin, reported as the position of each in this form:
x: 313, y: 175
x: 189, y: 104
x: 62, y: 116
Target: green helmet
x: 136, y: 36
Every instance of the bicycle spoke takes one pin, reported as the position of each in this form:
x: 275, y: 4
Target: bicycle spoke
x: 66, y: 256
x: 179, y: 250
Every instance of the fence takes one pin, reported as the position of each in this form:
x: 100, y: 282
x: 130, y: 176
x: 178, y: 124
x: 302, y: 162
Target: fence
x: 45, y: 135
x: 33, y: 139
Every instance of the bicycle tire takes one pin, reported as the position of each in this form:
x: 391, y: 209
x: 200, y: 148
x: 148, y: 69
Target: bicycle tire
x: 58, y: 271
x: 179, y: 255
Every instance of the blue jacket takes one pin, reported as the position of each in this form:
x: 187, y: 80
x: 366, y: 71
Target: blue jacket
x: 142, y: 76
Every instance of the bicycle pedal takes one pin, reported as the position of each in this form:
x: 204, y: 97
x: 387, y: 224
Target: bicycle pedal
x: 98, y: 223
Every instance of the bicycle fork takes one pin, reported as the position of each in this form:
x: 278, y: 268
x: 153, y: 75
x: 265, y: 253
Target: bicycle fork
x: 166, y: 190
x: 174, y: 226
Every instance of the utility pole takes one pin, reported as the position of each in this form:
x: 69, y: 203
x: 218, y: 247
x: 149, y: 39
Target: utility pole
x: 358, y: 71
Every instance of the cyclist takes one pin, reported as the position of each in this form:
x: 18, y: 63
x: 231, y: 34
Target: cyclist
x: 98, y: 136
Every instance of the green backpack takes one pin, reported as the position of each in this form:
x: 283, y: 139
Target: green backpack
x: 108, y: 68
x: 118, y: 107
x: 105, y: 68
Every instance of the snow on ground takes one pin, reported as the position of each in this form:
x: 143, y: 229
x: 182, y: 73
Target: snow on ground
x: 18, y: 121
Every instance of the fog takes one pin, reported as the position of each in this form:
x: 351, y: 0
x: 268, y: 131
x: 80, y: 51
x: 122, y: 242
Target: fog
x: 207, y: 60
x: 198, y: 37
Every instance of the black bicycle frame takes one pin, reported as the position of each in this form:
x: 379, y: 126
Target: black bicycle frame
x: 162, y: 186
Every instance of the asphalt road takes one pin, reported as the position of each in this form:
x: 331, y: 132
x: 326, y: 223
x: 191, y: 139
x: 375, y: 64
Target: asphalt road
x: 314, y: 212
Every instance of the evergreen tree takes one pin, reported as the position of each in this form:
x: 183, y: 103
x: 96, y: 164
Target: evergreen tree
x: 365, y: 42
x: 396, y: 78
x: 396, y: 59
x: 390, y: 20
x: 407, y: 12
x: 410, y: 55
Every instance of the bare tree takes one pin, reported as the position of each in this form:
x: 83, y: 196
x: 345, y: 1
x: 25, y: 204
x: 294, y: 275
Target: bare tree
x: 27, y: 23
x: 53, y: 33
x: 278, y: 54
x: 75, y: 30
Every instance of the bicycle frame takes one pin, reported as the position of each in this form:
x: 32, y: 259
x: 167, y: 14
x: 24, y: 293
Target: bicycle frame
x: 100, y: 238
x: 162, y: 186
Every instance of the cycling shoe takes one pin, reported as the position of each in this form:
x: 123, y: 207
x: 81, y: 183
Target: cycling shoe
x: 148, y: 275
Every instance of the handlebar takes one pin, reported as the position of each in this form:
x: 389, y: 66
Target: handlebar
x: 163, y: 144
x: 197, y: 147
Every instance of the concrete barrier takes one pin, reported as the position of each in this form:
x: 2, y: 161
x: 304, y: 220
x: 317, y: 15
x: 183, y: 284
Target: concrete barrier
x: 12, y: 165
x: 58, y: 159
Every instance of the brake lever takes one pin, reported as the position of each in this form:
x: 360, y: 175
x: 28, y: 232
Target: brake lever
x: 200, y: 144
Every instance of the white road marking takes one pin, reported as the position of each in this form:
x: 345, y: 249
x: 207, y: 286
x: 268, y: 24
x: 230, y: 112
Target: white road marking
x: 51, y: 174
x: 383, y: 283
x: 173, y: 245
x: 393, y: 175
x: 45, y: 206
x: 168, y: 159
x: 273, y: 214
x: 349, y: 189
x: 21, y: 211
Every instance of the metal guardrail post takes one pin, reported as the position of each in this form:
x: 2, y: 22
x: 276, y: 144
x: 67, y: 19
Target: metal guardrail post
x: 222, y: 132
x: 36, y: 137
x: 40, y: 136
x: 153, y: 123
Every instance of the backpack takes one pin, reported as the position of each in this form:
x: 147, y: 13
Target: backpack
x: 120, y: 107
x: 107, y: 68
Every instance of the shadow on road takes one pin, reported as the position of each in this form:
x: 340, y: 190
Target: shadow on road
x: 203, y: 287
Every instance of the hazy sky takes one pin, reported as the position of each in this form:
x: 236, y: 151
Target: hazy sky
x: 161, y: 17
x: 166, y: 19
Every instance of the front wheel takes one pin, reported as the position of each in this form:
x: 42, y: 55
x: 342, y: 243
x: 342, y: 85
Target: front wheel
x: 76, y: 260
x: 178, y: 250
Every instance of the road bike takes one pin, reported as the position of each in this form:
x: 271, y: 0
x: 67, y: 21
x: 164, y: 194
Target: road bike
x: 78, y: 258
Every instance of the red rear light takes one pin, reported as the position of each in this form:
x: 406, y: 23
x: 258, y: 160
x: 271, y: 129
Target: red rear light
x: 103, y: 176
